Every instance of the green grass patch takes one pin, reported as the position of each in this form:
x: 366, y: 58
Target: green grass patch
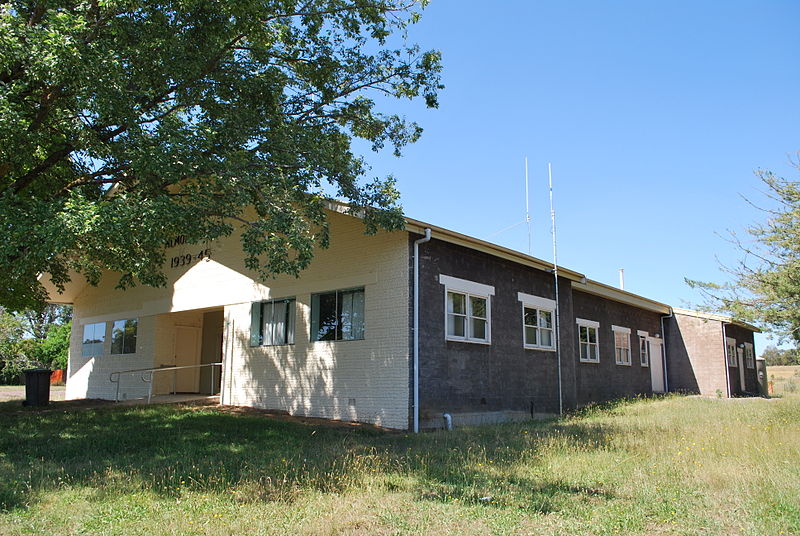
x: 664, y: 466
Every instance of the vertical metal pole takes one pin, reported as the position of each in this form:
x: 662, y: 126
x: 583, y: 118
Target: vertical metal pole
x: 527, y: 207
x: 117, y: 397
x: 555, y: 277
x: 174, y: 380
x: 211, y: 389
x: 150, y: 388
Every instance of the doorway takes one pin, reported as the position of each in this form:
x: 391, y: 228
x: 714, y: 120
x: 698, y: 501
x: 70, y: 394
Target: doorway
x: 656, y: 364
x: 187, y: 353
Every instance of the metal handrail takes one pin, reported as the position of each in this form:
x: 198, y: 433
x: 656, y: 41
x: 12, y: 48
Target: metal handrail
x: 147, y: 376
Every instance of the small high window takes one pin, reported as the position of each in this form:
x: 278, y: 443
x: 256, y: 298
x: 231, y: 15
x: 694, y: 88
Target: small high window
x: 622, y: 345
x: 588, y: 343
x: 467, y: 310
x: 123, y: 336
x: 644, y: 349
x: 337, y: 315
x: 94, y: 336
x: 730, y: 352
x: 537, y: 322
x: 749, y: 355
x: 272, y: 322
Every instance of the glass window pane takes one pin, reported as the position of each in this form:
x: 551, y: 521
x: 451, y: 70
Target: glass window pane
x: 290, y: 321
x: 478, y: 329
x: 268, y: 329
x: 352, y: 315
x: 530, y: 317
x: 531, y: 335
x: 455, y: 325
x: 584, y: 333
x: 592, y: 335
x: 117, y: 334
x: 592, y: 352
x: 129, y: 344
x: 584, y: 351
x: 323, y: 317
x: 545, y: 319
x: 477, y: 306
x: 255, y: 324
x: 279, y: 322
x: 456, y: 303
x: 547, y: 337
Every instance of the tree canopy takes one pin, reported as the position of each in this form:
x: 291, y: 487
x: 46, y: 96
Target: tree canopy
x: 765, y: 284
x: 128, y: 123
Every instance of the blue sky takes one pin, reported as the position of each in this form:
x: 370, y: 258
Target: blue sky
x: 655, y: 116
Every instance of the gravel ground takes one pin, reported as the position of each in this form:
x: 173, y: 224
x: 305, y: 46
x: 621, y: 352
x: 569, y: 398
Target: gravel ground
x: 17, y: 392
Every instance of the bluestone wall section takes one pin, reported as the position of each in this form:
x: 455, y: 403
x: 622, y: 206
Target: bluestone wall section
x: 696, y: 355
x: 483, y: 382
x: 605, y: 380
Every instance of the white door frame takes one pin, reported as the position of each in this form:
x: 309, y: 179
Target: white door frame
x: 657, y: 364
x: 740, y: 358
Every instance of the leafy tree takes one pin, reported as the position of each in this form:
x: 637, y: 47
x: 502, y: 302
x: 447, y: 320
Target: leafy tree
x: 765, y: 286
x: 777, y: 356
x: 129, y: 123
x: 33, y: 339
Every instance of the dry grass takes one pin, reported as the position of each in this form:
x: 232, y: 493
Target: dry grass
x: 785, y: 379
x: 668, y: 466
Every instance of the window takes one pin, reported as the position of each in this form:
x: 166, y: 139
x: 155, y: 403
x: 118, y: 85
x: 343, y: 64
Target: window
x: 337, y: 315
x: 94, y: 336
x: 272, y: 322
x: 749, y: 355
x: 537, y: 322
x: 123, y: 336
x: 644, y: 349
x: 587, y: 340
x: 622, y: 345
x: 467, y: 310
x: 730, y: 347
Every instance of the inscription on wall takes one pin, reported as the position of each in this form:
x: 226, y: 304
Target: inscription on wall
x: 185, y: 258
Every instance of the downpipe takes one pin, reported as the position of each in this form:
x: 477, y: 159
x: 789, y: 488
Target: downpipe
x: 427, y: 238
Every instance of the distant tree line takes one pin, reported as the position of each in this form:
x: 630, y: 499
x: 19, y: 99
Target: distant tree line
x: 777, y: 356
x: 33, y: 339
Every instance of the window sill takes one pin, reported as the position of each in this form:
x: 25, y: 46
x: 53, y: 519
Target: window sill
x: 540, y: 348
x: 589, y: 361
x: 329, y: 342
x: 469, y: 341
x: 624, y: 364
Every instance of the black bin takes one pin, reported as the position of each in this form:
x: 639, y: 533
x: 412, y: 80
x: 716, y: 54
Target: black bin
x: 37, y: 387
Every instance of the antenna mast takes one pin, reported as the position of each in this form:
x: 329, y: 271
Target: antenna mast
x: 555, y: 278
x: 527, y: 207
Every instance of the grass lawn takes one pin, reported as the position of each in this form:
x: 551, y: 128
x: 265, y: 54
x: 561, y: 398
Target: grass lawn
x: 666, y: 466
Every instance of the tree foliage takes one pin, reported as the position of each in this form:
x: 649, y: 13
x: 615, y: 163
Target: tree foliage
x: 34, y: 339
x: 765, y: 286
x: 128, y: 123
x: 775, y: 356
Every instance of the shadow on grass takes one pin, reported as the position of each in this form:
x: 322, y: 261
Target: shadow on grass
x: 170, y: 450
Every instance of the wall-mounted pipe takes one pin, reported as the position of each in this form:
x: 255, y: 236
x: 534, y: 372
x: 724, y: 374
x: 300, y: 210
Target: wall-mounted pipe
x: 416, y: 327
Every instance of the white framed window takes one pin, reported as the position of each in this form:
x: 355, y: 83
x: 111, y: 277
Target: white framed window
x: 644, y: 348
x: 730, y: 351
x: 749, y: 355
x: 94, y: 336
x: 588, y: 342
x: 622, y: 345
x: 467, y: 310
x: 272, y: 322
x: 338, y: 315
x: 538, y: 315
x: 123, y: 336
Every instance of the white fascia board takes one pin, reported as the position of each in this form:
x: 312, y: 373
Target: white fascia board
x: 463, y: 285
x: 587, y: 323
x: 621, y: 329
x: 537, y: 301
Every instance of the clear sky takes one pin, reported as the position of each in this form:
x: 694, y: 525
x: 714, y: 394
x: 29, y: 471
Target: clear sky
x: 655, y: 116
